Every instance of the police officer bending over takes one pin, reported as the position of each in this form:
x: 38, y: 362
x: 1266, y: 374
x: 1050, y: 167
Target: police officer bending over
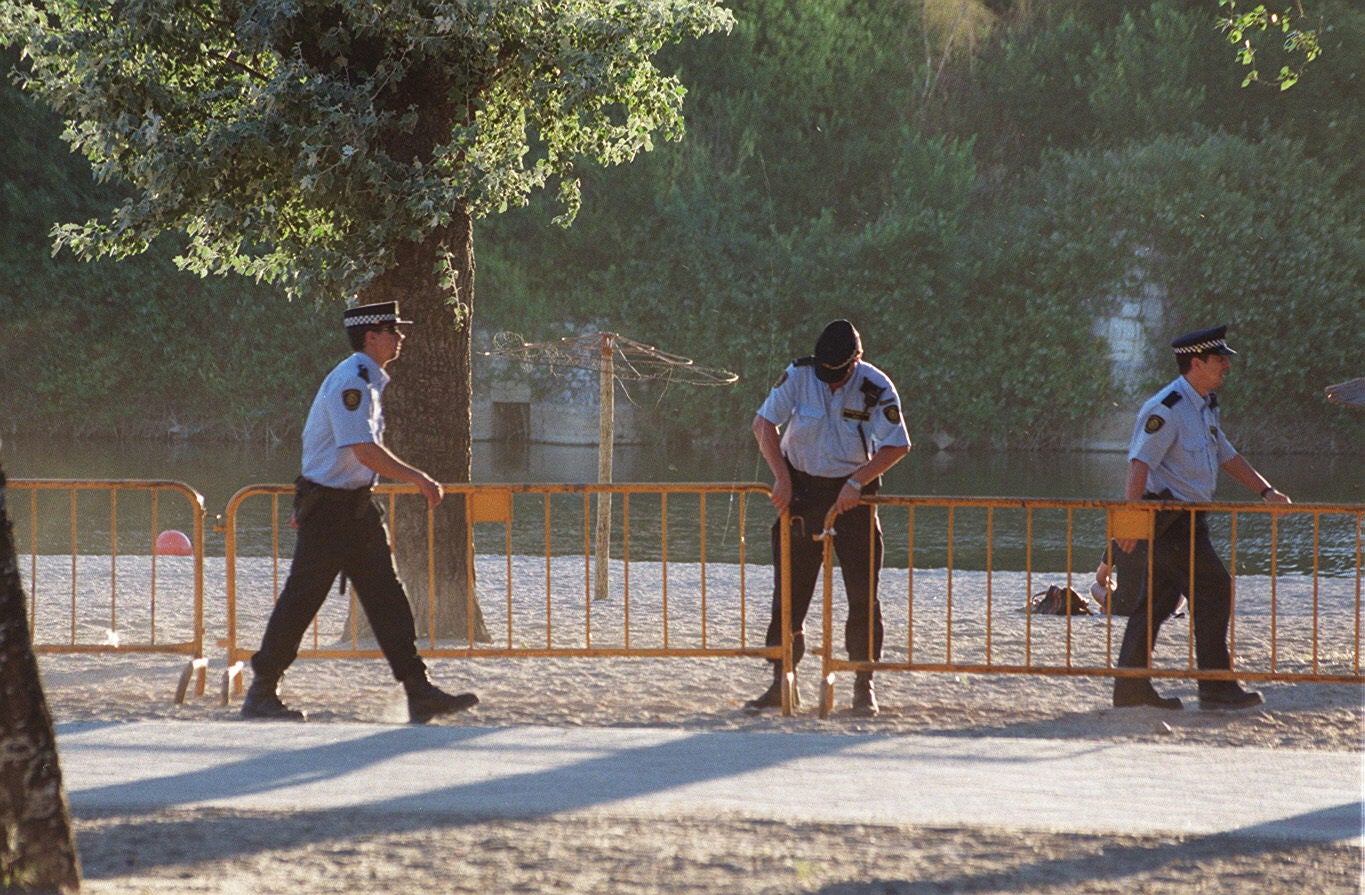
x: 841, y: 429
x: 341, y: 529
x: 1177, y: 448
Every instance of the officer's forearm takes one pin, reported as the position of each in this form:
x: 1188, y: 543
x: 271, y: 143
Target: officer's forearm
x: 770, y: 446
x: 885, y: 458
x: 1246, y: 475
x: 386, y: 463
x: 1136, y: 484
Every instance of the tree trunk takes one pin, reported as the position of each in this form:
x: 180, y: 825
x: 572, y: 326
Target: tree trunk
x: 37, y: 850
x: 427, y: 410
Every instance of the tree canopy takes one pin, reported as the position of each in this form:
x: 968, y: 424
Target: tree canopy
x: 299, y: 141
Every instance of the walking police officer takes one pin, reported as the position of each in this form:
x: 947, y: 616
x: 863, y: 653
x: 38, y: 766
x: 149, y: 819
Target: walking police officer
x: 841, y: 428
x: 1176, y: 451
x: 341, y: 529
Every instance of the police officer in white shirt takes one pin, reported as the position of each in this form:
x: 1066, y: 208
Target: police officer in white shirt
x: 840, y: 429
x: 1177, y: 448
x: 341, y: 529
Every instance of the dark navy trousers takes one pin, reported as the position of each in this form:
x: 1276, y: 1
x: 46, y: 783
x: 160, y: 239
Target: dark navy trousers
x: 858, y: 546
x: 1210, y: 594
x: 342, y: 532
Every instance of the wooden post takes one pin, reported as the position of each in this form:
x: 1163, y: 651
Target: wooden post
x: 605, y: 439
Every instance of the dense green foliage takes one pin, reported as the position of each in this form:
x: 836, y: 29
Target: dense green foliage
x: 973, y: 217
x: 968, y: 189
x: 136, y: 347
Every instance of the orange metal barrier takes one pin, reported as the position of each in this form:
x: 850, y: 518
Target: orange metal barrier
x: 96, y: 581
x: 959, y: 574
x: 679, y: 581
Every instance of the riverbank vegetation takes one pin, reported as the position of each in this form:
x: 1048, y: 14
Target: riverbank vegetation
x: 973, y: 183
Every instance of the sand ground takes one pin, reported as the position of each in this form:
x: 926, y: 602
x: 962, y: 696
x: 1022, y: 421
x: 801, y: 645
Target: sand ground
x: 216, y: 851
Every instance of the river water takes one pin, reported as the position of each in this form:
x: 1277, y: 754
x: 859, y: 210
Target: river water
x: 218, y: 471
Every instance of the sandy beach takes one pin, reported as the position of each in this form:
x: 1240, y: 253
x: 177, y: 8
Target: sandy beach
x: 228, y: 851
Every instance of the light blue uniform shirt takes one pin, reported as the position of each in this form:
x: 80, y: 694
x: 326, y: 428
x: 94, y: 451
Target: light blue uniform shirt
x: 1179, y: 438
x: 346, y: 411
x: 831, y: 434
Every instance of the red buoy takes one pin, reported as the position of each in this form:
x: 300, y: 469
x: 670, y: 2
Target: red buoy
x: 173, y: 543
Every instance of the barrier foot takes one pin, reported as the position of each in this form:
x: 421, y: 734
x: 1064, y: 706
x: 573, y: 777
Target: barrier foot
x: 232, y: 677
x: 199, y: 664
x: 826, y: 695
x: 789, y: 695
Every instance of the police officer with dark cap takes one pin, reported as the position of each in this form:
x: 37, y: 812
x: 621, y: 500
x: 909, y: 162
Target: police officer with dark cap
x: 341, y: 529
x: 840, y: 429
x: 1177, y: 448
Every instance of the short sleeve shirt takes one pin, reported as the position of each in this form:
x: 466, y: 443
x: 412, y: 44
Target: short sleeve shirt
x: 346, y: 411
x: 1179, y: 437
x: 831, y: 434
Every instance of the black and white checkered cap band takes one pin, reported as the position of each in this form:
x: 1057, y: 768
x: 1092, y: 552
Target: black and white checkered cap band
x: 1201, y: 347
x: 370, y: 319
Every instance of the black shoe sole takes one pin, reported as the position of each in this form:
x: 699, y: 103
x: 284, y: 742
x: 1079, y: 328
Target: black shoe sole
x: 1229, y: 705
x: 758, y: 706
x: 1170, y: 703
x: 460, y: 703
x: 771, y: 699
x: 288, y: 715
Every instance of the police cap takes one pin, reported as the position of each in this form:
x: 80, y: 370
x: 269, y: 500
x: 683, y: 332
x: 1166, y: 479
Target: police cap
x: 1204, y: 341
x: 838, y: 345
x: 376, y: 314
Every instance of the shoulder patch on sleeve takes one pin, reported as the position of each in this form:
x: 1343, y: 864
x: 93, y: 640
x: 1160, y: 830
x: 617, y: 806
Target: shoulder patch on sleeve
x: 780, y: 380
x: 1153, y: 424
x: 1171, y: 400
x: 350, y: 398
x: 893, y: 414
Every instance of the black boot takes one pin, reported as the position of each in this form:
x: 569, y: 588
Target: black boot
x: 864, y: 696
x: 1130, y: 692
x: 772, y: 697
x: 1226, y: 696
x: 263, y: 701
x: 426, y: 700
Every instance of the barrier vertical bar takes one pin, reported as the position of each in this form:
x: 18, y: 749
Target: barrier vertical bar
x: 990, y: 559
x: 948, y: 622
x: 549, y: 575
x: 156, y: 504
x: 75, y: 542
x: 113, y: 562
x: 1274, y: 592
x: 663, y: 558
x: 625, y: 563
x: 1232, y: 605
x: 701, y: 509
x: 785, y: 584
x: 1028, y: 586
x: 587, y: 570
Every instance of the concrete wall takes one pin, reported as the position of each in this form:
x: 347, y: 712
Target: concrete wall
x: 548, y: 405
x: 1133, y: 324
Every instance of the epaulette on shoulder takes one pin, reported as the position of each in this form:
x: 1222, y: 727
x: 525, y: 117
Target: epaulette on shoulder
x: 364, y: 372
x: 1172, y: 399
x: 808, y: 361
x: 872, y: 393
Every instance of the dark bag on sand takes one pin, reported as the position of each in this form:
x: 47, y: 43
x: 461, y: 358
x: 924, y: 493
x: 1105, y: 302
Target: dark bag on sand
x: 1059, y: 601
